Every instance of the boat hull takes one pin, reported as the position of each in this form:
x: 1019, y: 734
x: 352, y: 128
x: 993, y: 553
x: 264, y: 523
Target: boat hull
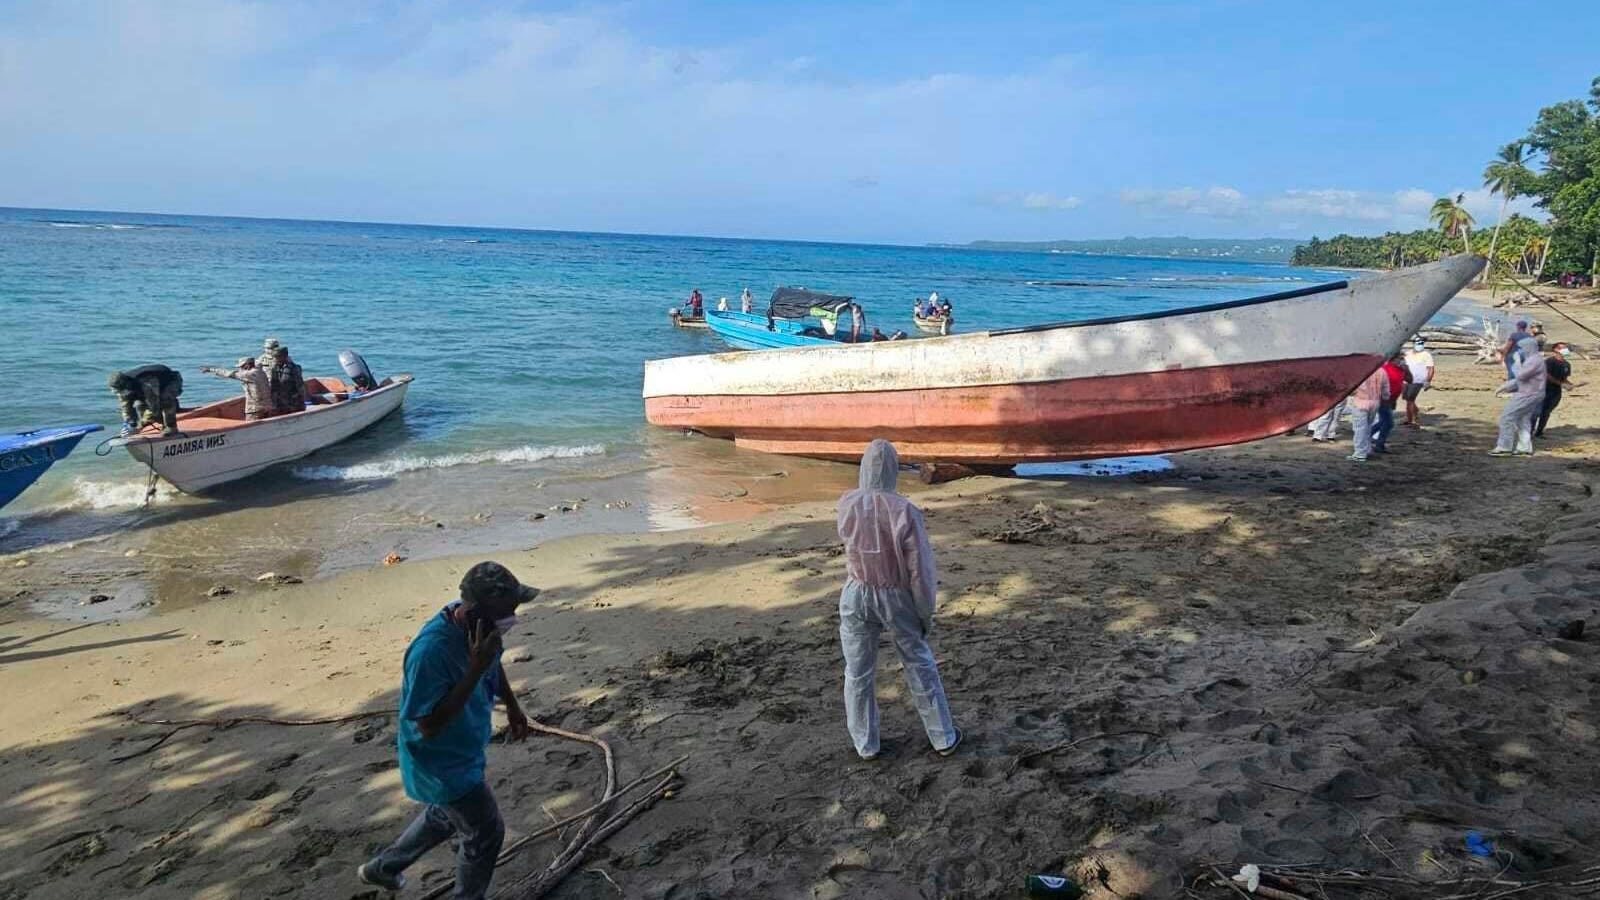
x: 1119, y: 415
x: 204, y: 458
x: 24, y: 457
x: 748, y: 331
x: 1222, y: 374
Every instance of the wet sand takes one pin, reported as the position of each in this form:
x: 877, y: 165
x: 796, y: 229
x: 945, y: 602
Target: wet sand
x: 1269, y: 655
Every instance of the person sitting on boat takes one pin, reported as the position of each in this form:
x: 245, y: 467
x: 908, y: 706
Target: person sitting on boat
x: 945, y: 309
x: 288, y: 384
x: 257, y: 387
x: 747, y: 303
x: 878, y: 335
x: 147, y: 394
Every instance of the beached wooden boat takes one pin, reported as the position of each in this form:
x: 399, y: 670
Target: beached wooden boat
x: 218, y: 445
x: 25, y: 455
x: 1200, y: 377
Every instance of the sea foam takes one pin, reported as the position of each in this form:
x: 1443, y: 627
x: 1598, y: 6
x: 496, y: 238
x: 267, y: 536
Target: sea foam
x: 388, y: 468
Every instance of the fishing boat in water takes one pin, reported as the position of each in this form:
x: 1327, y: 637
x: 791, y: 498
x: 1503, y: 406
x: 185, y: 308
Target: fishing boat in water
x: 25, y: 455
x: 680, y: 319
x: 1206, y: 376
x: 795, y: 317
x: 216, y: 444
x: 936, y: 324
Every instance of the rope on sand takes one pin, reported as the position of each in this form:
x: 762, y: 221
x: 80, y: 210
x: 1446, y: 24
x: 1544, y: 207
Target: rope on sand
x: 590, y: 835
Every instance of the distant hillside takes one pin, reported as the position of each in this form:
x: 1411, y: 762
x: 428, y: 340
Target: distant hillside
x: 1254, y: 249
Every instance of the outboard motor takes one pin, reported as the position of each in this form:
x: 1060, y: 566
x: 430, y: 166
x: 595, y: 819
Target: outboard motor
x: 357, y: 369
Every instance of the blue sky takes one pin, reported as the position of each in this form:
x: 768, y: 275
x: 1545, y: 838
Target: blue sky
x: 896, y: 122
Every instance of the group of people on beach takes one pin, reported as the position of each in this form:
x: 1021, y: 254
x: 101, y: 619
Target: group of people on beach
x: 452, y: 677
x: 1535, y: 383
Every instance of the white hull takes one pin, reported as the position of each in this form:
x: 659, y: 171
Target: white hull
x: 205, y: 458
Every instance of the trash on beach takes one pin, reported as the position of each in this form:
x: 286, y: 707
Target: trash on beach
x: 393, y: 559
x: 275, y: 578
x: 1114, y: 467
x: 1478, y: 845
x: 1249, y: 876
x: 99, y: 598
x: 219, y: 590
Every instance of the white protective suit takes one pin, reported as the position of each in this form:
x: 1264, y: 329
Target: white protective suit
x: 1516, y: 421
x: 891, y: 585
x: 1326, y: 426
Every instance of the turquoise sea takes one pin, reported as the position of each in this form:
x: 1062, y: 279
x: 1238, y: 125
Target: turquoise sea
x: 527, y: 346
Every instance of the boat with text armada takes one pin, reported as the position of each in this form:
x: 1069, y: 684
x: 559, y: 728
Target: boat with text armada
x: 216, y: 444
x: 1207, y: 376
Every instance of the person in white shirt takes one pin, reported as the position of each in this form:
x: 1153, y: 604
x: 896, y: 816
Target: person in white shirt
x: 1420, y: 362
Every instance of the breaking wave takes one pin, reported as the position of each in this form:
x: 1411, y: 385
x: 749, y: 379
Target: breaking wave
x: 391, y: 467
x: 86, y: 494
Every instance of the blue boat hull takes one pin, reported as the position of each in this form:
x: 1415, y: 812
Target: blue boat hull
x: 748, y: 331
x: 26, y: 456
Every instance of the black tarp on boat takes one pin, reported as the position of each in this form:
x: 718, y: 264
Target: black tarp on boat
x: 797, y: 303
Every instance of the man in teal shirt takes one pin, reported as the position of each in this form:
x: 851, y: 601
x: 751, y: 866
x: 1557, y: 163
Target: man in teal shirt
x: 452, y: 675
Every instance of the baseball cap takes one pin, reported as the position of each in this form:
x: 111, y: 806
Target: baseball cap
x: 489, y: 580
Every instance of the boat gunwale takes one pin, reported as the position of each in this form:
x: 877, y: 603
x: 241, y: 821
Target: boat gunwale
x: 1308, y: 291
x: 40, y: 437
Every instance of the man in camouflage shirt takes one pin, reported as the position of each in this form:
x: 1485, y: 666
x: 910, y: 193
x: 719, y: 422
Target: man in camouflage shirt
x: 288, y: 385
x: 257, y: 387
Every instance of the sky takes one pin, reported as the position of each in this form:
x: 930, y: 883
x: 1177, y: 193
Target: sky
x: 889, y: 122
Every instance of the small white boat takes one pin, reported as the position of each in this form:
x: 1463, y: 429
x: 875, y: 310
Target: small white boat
x: 217, y: 444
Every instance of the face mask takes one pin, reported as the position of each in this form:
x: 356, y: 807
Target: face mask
x: 1417, y: 347
x: 1565, y: 351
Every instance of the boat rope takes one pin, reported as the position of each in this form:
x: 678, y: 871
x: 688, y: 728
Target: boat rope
x: 1552, y: 306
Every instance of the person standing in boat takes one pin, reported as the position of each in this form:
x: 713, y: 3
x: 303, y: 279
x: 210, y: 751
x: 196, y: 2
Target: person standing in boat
x: 890, y: 585
x: 147, y: 394
x: 288, y: 384
x: 269, y: 355
x: 697, y: 304
x: 747, y: 303
x: 257, y: 387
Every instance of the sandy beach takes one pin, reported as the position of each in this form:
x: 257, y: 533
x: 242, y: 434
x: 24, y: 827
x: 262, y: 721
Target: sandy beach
x: 1270, y: 655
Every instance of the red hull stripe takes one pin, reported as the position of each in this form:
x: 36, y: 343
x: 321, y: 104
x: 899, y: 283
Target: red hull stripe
x: 1084, y: 418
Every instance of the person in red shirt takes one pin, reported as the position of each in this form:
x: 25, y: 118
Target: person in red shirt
x: 1399, y: 376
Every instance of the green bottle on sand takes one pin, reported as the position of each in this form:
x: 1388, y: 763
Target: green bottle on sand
x: 1051, y: 886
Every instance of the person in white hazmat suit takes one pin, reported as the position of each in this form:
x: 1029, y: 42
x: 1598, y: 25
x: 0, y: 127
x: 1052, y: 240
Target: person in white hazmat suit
x: 1526, y: 388
x: 1325, y: 428
x: 891, y: 586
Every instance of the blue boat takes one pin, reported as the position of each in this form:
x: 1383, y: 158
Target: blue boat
x: 25, y: 455
x: 795, y: 317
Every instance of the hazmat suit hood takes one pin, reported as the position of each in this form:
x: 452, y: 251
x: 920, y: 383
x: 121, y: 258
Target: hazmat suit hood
x: 880, y: 467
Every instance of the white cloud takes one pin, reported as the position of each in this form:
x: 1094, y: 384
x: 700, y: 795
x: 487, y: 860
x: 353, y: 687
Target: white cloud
x: 1221, y: 202
x: 1049, y: 202
x: 394, y: 111
x: 1034, y: 201
x: 1403, y: 209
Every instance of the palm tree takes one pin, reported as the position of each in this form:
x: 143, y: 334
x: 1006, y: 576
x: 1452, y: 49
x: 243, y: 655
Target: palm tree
x: 1532, y: 250
x: 1453, y: 219
x: 1502, y: 176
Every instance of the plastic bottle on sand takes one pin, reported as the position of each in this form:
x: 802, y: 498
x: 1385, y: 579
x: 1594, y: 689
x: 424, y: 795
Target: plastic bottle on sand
x: 1051, y: 886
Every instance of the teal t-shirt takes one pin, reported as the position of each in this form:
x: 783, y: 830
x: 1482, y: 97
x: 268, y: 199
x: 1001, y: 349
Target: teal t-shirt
x: 442, y: 768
